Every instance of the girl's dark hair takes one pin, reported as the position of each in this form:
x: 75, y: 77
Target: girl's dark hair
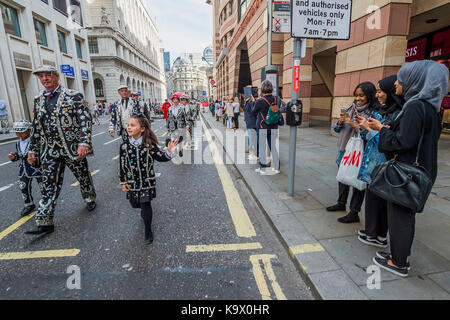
x: 370, y: 91
x: 148, y: 136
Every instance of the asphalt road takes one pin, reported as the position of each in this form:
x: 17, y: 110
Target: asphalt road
x: 191, y: 213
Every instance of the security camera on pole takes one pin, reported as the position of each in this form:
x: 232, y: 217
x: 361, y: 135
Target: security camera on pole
x: 313, y: 19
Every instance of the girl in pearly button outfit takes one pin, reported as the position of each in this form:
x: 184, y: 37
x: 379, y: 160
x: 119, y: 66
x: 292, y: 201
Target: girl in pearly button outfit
x: 136, y: 173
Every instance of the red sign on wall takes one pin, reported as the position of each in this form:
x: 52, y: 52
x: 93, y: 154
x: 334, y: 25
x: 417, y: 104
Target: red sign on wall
x: 416, y: 50
x: 296, y: 75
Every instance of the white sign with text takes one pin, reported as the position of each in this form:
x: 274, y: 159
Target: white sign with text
x: 320, y: 19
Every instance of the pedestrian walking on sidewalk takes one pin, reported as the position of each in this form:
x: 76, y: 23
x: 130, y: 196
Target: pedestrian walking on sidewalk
x: 266, y: 110
x: 375, y: 232
x: 250, y: 123
x: 424, y: 85
x: 217, y: 110
x: 229, y: 109
x: 4, y: 125
x: 364, y: 105
x: 61, y: 136
x: 94, y: 113
x: 136, y: 172
x: 236, y: 109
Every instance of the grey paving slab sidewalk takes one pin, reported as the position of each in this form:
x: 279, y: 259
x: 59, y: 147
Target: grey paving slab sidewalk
x: 328, y: 253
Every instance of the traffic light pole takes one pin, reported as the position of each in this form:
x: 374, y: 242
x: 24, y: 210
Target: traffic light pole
x: 293, y: 129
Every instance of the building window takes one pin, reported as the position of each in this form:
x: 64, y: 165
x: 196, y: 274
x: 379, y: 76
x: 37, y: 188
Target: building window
x: 93, y: 45
x: 75, y: 12
x: 62, y: 41
x: 39, y: 29
x: 61, y: 6
x: 78, y: 47
x: 243, y: 4
x: 10, y: 20
x: 98, y: 86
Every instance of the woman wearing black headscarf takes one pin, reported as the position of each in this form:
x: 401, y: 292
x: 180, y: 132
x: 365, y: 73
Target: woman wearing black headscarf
x: 424, y: 85
x: 375, y: 232
x: 364, y: 105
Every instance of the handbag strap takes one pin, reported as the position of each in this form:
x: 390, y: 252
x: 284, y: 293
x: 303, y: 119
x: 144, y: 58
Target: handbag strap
x: 422, y: 133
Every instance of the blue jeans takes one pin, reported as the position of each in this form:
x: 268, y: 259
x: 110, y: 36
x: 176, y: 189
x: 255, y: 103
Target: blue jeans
x: 251, y: 140
x: 262, y: 149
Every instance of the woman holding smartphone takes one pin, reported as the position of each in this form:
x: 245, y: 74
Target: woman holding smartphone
x: 424, y: 85
x: 364, y: 105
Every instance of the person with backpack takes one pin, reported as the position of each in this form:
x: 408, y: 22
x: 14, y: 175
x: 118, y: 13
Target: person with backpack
x: 268, y: 118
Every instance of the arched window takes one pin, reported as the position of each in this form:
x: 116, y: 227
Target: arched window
x: 98, y: 85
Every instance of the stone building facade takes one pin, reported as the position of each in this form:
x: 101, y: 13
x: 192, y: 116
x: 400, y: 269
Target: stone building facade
x: 125, y: 48
x: 35, y: 32
x: 188, y: 75
x: 331, y: 69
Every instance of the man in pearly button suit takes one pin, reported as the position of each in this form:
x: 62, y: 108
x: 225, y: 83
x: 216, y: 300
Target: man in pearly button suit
x: 122, y: 110
x: 61, y: 136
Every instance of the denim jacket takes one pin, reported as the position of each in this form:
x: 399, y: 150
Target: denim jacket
x: 371, y: 156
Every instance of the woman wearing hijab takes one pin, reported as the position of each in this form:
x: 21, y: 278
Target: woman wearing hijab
x: 365, y: 104
x: 376, y: 228
x: 424, y: 85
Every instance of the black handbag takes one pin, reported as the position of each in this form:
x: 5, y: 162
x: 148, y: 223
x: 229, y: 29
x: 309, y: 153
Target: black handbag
x: 401, y: 183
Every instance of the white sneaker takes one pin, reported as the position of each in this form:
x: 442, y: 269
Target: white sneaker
x: 261, y: 171
x: 275, y: 171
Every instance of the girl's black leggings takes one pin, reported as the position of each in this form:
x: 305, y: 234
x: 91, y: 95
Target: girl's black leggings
x: 147, y: 213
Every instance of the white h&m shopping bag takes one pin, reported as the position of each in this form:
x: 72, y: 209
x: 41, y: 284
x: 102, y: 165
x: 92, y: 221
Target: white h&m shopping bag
x: 351, y: 163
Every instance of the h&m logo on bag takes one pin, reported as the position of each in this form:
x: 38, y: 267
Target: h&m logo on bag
x: 352, y: 158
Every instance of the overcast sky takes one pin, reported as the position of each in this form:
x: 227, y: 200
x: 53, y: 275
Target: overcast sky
x: 183, y: 25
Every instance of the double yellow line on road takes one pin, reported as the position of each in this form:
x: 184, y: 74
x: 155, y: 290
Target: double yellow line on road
x: 241, y: 220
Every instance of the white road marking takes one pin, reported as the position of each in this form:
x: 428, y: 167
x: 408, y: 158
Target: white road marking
x: 6, y: 187
x: 97, y: 134
x: 13, y: 141
x: 112, y: 140
x: 2, y: 164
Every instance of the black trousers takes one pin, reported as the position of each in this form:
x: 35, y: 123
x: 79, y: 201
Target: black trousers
x: 236, y: 120
x: 357, y: 197
x: 147, y: 214
x: 376, y: 216
x: 401, y: 224
x: 25, y: 188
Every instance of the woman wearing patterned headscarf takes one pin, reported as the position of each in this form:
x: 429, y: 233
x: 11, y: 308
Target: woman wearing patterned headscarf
x: 424, y: 85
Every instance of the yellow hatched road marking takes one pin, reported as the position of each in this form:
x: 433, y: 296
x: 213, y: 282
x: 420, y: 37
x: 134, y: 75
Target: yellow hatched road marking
x: 77, y: 183
x: 224, y: 247
x: 241, y: 220
x: 306, y: 248
x: 39, y: 254
x: 16, y: 225
x: 260, y: 279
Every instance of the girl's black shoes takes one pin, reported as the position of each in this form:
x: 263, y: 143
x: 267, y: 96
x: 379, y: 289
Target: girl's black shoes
x: 148, y: 236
